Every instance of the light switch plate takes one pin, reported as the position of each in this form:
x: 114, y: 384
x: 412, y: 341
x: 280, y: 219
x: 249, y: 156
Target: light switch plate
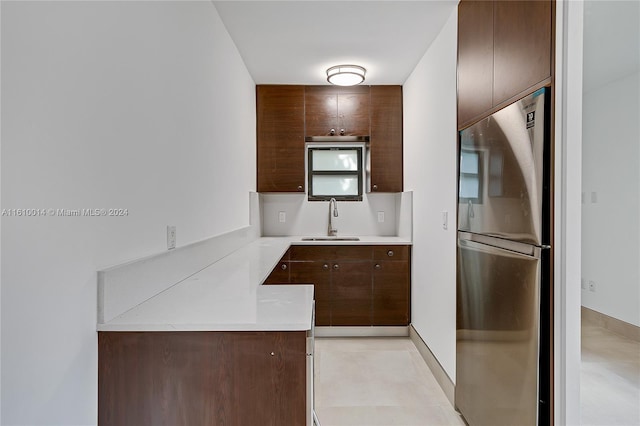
x: 171, y: 237
x: 380, y: 217
x: 282, y: 217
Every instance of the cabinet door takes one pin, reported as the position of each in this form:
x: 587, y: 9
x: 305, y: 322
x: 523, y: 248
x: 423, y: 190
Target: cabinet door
x: 391, y: 285
x: 522, y: 46
x: 475, y: 59
x: 386, y: 139
x: 321, y: 110
x: 351, y: 293
x: 318, y: 274
x: 353, y: 113
x: 391, y: 293
x: 337, y: 108
x: 280, y: 138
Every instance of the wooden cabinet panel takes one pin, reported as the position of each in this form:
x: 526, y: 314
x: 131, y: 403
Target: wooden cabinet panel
x: 353, y: 113
x: 391, y: 285
x: 331, y: 107
x: 329, y: 253
x: 475, y: 59
x: 321, y: 111
x: 280, y: 138
x: 386, y: 139
x: 351, y: 293
x: 201, y: 378
x: 391, y: 293
x: 522, y: 46
x: 395, y: 252
x: 504, y: 51
x: 280, y: 274
x: 318, y: 274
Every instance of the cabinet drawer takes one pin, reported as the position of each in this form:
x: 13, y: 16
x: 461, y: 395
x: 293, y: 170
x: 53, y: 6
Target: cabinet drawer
x: 383, y: 253
x: 342, y: 253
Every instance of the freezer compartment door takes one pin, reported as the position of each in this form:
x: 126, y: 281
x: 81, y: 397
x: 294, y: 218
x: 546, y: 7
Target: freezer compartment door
x: 498, y: 298
x: 504, y: 173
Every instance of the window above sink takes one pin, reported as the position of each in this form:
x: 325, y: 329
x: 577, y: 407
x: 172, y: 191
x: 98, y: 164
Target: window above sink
x: 335, y: 172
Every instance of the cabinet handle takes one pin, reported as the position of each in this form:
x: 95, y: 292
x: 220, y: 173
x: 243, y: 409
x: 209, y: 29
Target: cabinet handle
x: 336, y: 266
x: 342, y: 132
x: 284, y: 266
x: 325, y: 266
x: 332, y: 132
x: 375, y: 187
x: 378, y: 266
x: 390, y: 253
x: 299, y: 187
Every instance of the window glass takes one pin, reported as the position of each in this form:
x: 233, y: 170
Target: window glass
x: 329, y: 185
x: 331, y: 160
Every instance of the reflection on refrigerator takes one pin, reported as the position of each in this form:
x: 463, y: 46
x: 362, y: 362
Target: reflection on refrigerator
x: 503, y: 279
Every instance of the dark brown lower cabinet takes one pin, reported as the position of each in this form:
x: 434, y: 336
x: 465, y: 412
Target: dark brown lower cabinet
x: 318, y: 274
x: 353, y: 285
x: 351, y: 293
x: 202, y: 378
x: 391, y: 293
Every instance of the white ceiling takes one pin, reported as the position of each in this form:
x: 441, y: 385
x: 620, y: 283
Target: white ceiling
x: 611, y: 41
x: 294, y: 42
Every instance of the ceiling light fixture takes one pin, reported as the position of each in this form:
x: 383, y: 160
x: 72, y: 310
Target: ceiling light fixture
x: 346, y: 75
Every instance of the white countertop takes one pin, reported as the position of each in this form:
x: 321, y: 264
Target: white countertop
x: 228, y: 295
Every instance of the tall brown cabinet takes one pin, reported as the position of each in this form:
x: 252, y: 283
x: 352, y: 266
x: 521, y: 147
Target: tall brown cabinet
x: 504, y: 52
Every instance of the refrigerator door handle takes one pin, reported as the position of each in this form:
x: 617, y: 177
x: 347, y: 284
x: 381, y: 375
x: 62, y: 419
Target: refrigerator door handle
x: 515, y: 246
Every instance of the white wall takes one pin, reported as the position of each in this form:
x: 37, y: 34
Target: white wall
x: 430, y: 141
x: 611, y: 223
x: 303, y: 217
x: 139, y: 105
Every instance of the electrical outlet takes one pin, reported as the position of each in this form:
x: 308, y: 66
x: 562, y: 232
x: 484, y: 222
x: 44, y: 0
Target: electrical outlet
x: 583, y: 283
x: 445, y: 219
x: 592, y: 286
x: 282, y: 217
x: 171, y: 237
x: 380, y: 217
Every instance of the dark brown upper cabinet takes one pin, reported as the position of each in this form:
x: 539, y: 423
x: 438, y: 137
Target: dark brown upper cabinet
x: 475, y: 59
x: 504, y: 52
x: 386, y: 139
x: 334, y: 111
x: 280, y: 138
x: 522, y: 46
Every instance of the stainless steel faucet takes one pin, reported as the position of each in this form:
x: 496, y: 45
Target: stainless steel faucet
x: 332, y: 232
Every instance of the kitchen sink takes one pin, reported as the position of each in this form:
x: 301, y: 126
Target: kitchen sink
x: 330, y: 239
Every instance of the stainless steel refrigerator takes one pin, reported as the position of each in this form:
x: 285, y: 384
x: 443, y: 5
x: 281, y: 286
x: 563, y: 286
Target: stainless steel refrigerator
x: 503, y: 341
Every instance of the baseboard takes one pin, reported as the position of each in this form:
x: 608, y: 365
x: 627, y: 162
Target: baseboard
x: 390, y: 331
x: 612, y: 324
x: 438, y: 372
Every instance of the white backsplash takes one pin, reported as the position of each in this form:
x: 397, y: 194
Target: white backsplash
x: 303, y: 217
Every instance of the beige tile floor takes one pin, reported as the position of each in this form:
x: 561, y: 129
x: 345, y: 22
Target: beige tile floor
x: 384, y: 381
x: 609, y: 378
x: 375, y: 382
